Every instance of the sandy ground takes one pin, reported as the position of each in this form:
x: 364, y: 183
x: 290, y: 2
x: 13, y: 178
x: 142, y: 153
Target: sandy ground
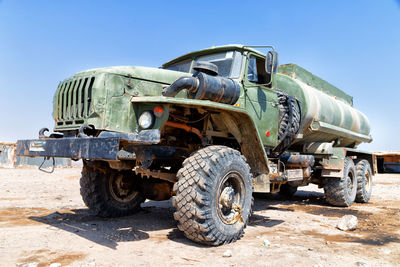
x: 43, y: 220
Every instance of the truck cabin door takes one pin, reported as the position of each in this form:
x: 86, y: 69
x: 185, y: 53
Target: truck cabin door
x: 261, y: 99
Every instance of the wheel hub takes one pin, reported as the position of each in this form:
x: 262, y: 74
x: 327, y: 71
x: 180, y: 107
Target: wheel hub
x: 230, y: 198
x: 367, y: 182
x: 349, y: 184
x: 226, y: 197
x: 121, y: 189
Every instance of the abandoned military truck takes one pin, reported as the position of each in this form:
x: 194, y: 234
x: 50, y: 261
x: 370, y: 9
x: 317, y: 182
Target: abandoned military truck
x: 207, y: 129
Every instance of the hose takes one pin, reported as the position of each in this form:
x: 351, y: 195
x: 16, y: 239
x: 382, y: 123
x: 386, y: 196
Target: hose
x: 189, y: 83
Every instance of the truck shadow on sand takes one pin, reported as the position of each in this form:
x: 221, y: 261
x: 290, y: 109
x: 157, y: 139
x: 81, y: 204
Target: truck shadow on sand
x: 301, y: 197
x: 305, y: 201
x: 158, y: 216
x: 109, y: 231
x: 154, y: 216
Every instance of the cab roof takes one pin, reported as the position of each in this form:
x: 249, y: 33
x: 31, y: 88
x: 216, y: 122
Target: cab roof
x: 213, y: 49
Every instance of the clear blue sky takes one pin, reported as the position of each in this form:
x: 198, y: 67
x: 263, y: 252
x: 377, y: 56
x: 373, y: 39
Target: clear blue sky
x: 355, y: 45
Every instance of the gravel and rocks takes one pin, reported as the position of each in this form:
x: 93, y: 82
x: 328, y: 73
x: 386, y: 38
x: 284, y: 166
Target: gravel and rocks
x: 43, y: 221
x: 347, y: 223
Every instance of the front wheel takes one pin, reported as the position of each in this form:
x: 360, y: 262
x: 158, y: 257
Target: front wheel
x: 213, y: 195
x: 109, y: 193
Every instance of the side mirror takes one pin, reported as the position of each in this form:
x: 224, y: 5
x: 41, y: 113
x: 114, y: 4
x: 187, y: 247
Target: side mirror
x: 271, y: 62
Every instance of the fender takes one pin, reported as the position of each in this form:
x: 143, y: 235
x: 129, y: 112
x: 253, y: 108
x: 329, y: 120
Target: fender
x: 251, y: 146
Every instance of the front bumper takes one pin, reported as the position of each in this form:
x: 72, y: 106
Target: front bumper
x: 106, y: 146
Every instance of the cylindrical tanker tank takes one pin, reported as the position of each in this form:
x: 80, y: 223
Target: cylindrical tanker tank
x: 327, y: 112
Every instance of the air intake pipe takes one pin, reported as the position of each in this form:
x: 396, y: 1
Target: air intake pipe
x: 206, y: 85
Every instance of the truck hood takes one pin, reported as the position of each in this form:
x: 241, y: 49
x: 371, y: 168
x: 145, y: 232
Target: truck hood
x: 142, y: 73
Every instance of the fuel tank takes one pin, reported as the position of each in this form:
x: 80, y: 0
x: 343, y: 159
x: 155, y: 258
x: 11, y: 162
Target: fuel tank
x: 328, y: 114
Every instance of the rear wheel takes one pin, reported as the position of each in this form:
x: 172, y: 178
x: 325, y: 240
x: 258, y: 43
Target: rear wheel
x: 213, y: 195
x: 364, y: 181
x: 109, y: 193
x: 342, y: 191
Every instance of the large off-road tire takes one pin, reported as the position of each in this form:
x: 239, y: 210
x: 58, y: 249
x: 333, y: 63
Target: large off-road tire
x: 109, y: 193
x: 364, y: 181
x: 289, y: 122
x: 213, y: 195
x: 287, y: 191
x: 342, y: 191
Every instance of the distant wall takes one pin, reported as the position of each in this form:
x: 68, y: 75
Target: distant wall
x: 7, y: 155
x: 388, y: 162
x: 8, y: 158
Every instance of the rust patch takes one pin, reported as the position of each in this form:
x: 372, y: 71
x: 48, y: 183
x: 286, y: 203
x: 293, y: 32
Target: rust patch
x: 10, y: 217
x: 377, y: 228
x: 383, y: 204
x: 333, y: 238
x: 12, y: 198
x: 45, y: 257
x: 20, y: 216
x: 187, y: 259
x: 370, y: 239
x: 325, y: 211
x: 73, y: 177
x: 365, y: 239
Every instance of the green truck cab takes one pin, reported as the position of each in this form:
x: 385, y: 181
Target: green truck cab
x: 208, y: 129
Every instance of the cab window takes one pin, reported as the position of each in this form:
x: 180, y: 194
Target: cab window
x: 229, y: 63
x: 182, y: 66
x: 256, y: 71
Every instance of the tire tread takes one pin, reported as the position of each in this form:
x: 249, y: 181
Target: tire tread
x: 194, y: 185
x: 335, y: 187
x: 362, y: 166
x: 94, y: 196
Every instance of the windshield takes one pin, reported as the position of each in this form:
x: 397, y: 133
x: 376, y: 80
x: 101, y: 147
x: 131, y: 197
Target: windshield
x: 228, y: 62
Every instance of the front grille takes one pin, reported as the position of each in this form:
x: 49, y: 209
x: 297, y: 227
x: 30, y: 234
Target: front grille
x: 74, y: 99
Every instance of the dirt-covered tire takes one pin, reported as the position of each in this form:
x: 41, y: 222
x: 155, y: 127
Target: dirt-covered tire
x: 109, y: 193
x: 288, y: 126
x: 287, y: 191
x: 342, y: 191
x: 364, y: 181
x: 213, y: 196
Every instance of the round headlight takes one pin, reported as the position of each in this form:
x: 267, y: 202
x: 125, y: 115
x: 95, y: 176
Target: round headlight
x: 146, y: 120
